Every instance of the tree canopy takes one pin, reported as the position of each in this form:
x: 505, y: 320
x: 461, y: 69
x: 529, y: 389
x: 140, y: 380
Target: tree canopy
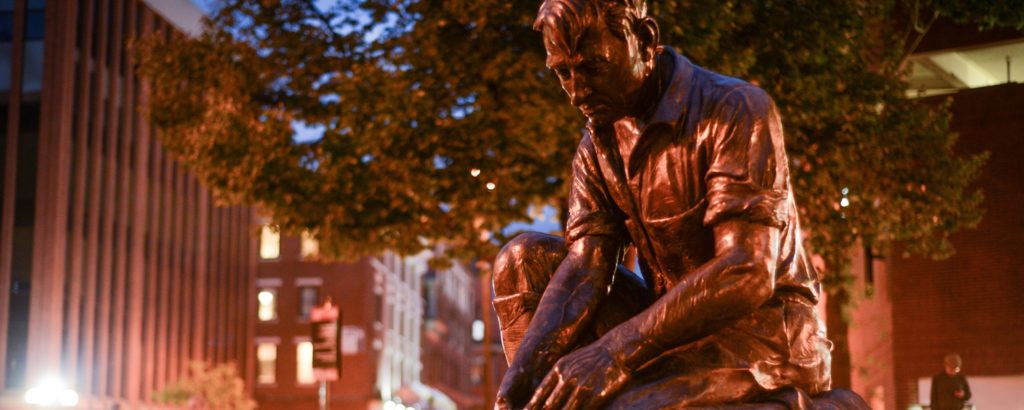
x: 437, y: 120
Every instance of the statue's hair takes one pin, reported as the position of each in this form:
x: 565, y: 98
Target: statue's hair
x: 569, y: 18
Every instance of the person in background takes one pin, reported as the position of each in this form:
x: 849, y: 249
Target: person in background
x: 950, y: 390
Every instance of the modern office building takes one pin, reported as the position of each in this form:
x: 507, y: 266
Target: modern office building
x: 911, y: 312
x: 116, y: 267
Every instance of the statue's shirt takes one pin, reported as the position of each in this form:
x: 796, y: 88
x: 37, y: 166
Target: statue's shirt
x: 712, y: 150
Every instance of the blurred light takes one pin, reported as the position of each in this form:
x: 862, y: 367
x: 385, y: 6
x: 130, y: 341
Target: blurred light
x: 304, y: 363
x: 51, y: 391
x: 491, y: 186
x: 270, y: 242
x: 846, y: 190
x: 266, y: 310
x: 389, y: 405
x: 845, y: 202
x: 478, y: 330
x: 68, y: 398
x: 475, y: 172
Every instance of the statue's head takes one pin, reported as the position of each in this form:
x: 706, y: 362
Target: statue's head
x: 602, y: 51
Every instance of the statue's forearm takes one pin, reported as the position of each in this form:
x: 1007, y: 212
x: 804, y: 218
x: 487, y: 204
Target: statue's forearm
x: 569, y: 302
x: 731, y: 285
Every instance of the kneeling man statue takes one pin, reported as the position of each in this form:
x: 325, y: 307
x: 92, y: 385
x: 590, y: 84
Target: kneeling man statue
x: 688, y: 167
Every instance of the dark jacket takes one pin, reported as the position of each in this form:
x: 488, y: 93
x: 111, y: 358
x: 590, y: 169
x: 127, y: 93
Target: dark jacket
x: 944, y: 388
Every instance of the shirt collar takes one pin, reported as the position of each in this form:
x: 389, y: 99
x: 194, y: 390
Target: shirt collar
x: 674, y: 98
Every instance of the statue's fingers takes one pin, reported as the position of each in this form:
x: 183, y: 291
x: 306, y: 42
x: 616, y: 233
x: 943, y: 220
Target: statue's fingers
x: 577, y: 400
x: 543, y: 391
x: 558, y: 397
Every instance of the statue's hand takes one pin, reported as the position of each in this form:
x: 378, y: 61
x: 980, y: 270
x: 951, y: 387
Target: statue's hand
x: 515, y: 388
x: 585, y: 378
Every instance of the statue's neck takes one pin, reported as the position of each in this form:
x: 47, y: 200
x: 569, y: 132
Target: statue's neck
x: 654, y: 87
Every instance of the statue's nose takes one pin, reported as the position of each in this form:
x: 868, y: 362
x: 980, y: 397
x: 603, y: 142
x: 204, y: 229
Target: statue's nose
x: 579, y: 90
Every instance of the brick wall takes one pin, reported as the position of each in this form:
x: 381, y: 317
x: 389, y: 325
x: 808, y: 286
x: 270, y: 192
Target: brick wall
x: 970, y: 303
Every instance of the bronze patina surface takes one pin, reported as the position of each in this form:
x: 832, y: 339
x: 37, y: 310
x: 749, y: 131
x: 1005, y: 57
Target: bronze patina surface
x: 688, y: 167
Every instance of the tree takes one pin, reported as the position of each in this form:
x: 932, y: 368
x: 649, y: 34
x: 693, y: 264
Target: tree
x: 208, y: 386
x: 440, y: 121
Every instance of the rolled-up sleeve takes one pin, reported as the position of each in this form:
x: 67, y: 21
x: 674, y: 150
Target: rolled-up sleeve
x: 591, y: 210
x: 747, y: 176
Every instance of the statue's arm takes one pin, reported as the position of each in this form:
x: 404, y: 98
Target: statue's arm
x: 747, y: 191
x: 567, y: 306
x: 738, y: 280
x: 731, y: 285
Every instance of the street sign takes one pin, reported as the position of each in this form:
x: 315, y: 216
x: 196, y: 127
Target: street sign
x: 325, y: 328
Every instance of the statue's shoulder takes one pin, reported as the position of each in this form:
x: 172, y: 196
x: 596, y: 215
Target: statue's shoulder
x: 585, y: 150
x: 723, y: 93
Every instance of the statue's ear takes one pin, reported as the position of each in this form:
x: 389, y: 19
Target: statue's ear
x: 647, y: 33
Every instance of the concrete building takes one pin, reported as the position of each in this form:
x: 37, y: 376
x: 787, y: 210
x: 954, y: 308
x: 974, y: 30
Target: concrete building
x: 116, y: 268
x: 911, y: 312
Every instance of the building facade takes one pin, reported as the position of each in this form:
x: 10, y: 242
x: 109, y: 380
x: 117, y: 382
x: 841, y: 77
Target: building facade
x: 411, y: 335
x: 911, y: 312
x: 450, y: 331
x: 382, y: 315
x: 116, y: 267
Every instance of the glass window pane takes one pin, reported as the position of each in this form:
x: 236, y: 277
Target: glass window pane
x: 309, y: 296
x: 267, y: 302
x: 266, y: 357
x: 310, y: 246
x: 304, y: 363
x: 270, y: 242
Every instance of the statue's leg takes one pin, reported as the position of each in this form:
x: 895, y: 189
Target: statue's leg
x: 695, y: 387
x: 522, y: 271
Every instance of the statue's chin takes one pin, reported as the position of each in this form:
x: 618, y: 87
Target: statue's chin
x: 602, y: 118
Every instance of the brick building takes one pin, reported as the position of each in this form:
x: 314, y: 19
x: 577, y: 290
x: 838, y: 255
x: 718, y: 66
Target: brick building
x: 406, y: 329
x: 914, y: 311
x: 116, y: 268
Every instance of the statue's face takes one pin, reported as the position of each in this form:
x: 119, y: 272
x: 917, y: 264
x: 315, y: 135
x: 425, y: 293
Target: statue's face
x: 602, y: 75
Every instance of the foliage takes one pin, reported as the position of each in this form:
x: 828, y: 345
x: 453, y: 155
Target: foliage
x: 422, y: 103
x: 208, y: 386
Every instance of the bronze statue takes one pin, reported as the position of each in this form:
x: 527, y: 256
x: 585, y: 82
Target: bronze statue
x: 687, y: 166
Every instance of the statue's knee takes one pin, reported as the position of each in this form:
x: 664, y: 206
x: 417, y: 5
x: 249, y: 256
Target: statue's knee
x: 527, y: 254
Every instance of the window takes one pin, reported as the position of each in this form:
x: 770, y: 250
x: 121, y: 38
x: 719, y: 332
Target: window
x: 267, y: 302
x: 266, y: 359
x: 304, y: 363
x: 309, y: 296
x: 270, y: 242
x: 478, y: 330
x: 310, y: 248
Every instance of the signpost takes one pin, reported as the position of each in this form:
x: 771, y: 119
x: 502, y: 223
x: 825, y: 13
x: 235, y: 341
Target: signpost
x: 325, y: 328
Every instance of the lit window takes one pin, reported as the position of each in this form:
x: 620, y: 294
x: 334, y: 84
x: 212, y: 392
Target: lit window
x: 310, y: 246
x: 304, y: 363
x: 308, y: 298
x: 270, y: 242
x: 266, y: 357
x: 267, y: 302
x: 478, y: 330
